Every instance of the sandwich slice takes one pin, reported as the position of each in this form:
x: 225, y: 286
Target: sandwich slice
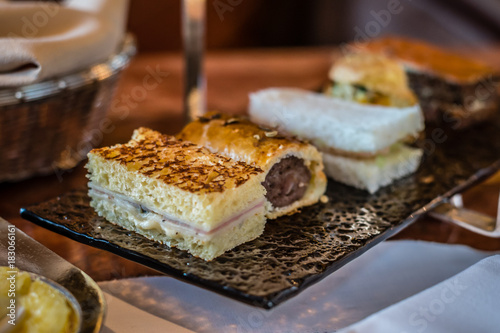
x: 363, y: 145
x: 453, y: 90
x: 293, y: 170
x: 177, y: 193
x: 370, y: 79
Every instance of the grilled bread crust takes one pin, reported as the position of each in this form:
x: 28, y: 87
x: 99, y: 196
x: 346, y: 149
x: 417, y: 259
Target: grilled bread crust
x: 176, y: 177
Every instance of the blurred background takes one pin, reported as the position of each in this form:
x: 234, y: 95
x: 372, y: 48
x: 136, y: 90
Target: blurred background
x: 279, y: 23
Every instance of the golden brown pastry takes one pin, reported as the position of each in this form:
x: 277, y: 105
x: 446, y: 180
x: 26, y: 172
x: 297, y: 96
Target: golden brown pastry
x: 426, y: 58
x: 293, y: 169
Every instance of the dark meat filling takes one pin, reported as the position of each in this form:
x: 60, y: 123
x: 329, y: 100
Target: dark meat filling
x: 287, y: 181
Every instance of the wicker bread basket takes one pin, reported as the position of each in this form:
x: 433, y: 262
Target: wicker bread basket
x: 51, y: 125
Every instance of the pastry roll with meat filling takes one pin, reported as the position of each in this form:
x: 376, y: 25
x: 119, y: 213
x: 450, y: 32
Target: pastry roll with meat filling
x: 293, y: 170
x: 177, y: 193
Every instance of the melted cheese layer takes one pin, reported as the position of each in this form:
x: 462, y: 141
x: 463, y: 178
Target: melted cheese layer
x: 146, y: 218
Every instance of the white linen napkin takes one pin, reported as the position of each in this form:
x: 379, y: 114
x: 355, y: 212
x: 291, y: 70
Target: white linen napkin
x: 122, y: 317
x: 39, y: 40
x: 467, y: 302
x: 387, y: 274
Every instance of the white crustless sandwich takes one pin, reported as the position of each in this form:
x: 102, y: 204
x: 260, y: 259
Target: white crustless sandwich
x: 363, y: 145
x: 177, y: 193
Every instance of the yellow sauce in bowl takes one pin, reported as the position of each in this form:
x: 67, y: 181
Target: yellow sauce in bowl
x: 35, y: 304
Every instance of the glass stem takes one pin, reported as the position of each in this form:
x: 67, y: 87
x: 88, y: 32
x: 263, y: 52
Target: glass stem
x: 193, y: 30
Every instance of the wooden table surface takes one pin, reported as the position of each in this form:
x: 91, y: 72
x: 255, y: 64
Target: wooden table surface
x: 150, y: 94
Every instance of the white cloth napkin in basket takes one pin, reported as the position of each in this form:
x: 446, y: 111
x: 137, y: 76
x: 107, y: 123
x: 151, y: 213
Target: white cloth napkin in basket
x: 39, y: 40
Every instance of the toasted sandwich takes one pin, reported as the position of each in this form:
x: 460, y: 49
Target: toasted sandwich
x: 177, y: 193
x: 370, y: 79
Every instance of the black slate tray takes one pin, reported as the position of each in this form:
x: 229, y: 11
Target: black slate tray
x: 296, y: 251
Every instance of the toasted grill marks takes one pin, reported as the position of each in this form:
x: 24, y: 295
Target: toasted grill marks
x: 180, y: 163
